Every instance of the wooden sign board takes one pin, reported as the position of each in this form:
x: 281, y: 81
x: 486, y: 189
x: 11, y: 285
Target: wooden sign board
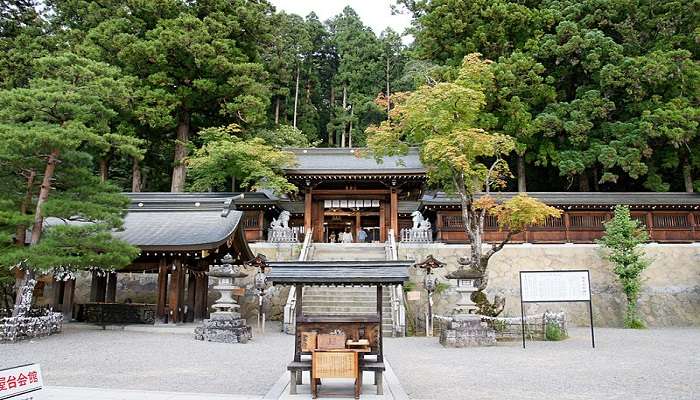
x: 413, y: 295
x: 239, y: 291
x: 330, y: 342
x: 20, y: 383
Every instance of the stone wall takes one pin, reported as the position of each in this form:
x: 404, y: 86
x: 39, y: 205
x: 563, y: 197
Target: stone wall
x: 670, y: 294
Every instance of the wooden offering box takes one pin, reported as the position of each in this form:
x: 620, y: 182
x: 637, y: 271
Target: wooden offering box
x: 331, y: 342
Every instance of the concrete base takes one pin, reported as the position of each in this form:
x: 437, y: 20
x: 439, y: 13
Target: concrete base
x: 466, y: 331
x: 228, y: 329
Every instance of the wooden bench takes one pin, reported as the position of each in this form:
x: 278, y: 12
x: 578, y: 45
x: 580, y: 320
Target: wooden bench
x: 378, y: 368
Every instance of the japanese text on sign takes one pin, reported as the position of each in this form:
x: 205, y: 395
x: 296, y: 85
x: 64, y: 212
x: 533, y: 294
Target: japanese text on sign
x: 555, y: 286
x: 17, y: 381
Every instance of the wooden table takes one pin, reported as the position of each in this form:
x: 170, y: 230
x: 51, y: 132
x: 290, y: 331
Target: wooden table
x: 337, y: 363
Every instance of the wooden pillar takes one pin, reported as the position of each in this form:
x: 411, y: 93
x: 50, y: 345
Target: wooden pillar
x: 201, y: 295
x: 176, y: 292
x: 93, y: 287
x: 191, y: 295
x: 111, y: 287
x: 317, y: 222
x: 394, y: 209
x: 162, y: 288
x: 358, y: 227
x: 307, y: 210
x: 261, y: 223
x: 382, y: 222
x: 380, y: 351
x: 567, y: 224
x: 68, y: 298
x: 56, y: 293
x: 299, y: 315
x: 650, y: 225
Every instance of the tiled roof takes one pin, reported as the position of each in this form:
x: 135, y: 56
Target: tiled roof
x: 352, y: 161
x: 339, y: 272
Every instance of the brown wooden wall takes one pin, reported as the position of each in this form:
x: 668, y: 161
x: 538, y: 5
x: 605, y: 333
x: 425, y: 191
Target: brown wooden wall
x: 578, y: 227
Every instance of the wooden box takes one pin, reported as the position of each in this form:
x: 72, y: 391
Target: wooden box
x: 331, y: 342
x: 308, y: 341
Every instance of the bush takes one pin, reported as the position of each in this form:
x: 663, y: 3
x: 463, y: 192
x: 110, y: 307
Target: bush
x: 554, y: 333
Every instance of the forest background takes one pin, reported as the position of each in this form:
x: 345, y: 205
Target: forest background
x: 600, y: 95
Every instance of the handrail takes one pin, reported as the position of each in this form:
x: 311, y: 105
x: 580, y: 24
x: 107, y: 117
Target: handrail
x: 290, y: 307
x: 398, y: 314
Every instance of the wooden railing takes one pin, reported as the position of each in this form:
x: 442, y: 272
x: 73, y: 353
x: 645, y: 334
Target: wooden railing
x: 578, y: 227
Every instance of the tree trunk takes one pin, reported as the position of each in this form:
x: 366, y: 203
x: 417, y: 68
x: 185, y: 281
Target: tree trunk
x: 21, y: 231
x: 345, y: 105
x: 687, y: 175
x: 352, y: 113
x: 183, y: 135
x: 522, y: 179
x: 388, y: 93
x: 596, y: 185
x: 104, y: 169
x: 277, y: 110
x: 296, y: 99
x: 583, y: 183
x: 23, y: 301
x: 136, y: 175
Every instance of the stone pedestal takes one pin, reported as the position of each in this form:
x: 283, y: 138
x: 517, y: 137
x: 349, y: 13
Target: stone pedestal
x: 224, y: 329
x: 465, y: 331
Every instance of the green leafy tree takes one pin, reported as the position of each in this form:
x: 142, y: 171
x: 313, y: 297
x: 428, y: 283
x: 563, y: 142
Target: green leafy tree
x: 441, y: 121
x: 252, y: 162
x: 48, y: 132
x: 621, y: 242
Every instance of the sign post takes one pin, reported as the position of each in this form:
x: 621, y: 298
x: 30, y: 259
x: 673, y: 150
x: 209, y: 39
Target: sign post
x: 17, y: 382
x: 555, y: 287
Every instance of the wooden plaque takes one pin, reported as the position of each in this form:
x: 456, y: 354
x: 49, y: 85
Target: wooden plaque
x: 334, y: 364
x: 331, y: 342
x: 239, y: 291
x: 308, y: 341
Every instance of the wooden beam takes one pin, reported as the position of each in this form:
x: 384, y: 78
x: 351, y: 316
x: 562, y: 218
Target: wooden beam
x: 101, y: 289
x: 162, y: 288
x: 93, y: 287
x: 68, y: 298
x: 201, y: 296
x: 191, y: 296
x: 382, y: 221
x: 299, y: 317
x: 111, y: 287
x: 380, y: 351
x: 394, y: 209
x: 307, y: 210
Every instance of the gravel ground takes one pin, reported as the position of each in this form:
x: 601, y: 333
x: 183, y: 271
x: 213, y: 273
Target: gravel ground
x: 626, y: 364
x: 88, y: 356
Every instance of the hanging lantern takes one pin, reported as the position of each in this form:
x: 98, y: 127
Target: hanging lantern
x: 430, y: 282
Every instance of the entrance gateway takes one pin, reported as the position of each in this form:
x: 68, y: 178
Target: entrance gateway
x: 345, y: 192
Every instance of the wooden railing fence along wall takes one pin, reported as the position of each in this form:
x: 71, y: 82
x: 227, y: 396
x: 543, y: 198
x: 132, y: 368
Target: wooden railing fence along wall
x: 577, y: 227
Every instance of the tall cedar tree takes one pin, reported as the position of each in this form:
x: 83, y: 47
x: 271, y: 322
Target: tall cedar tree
x: 49, y: 132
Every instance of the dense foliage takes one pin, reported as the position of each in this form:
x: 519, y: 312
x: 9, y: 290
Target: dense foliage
x: 622, y: 244
x: 599, y: 94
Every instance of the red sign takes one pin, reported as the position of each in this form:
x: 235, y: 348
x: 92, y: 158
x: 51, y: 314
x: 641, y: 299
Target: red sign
x: 17, y: 382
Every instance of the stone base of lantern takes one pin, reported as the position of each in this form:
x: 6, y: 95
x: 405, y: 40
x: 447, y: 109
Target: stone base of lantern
x: 465, y: 331
x: 224, y: 327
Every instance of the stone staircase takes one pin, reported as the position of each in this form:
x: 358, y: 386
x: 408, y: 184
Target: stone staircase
x: 359, y: 300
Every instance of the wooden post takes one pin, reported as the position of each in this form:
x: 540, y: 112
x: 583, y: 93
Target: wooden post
x: 68, y: 297
x: 261, y: 222
x: 101, y: 289
x: 299, y: 315
x: 177, y: 291
x: 191, y: 296
x: 93, y: 287
x: 382, y: 222
x: 56, y: 293
x: 358, y: 221
x: 395, y: 211
x: 200, y: 300
x: 380, y: 351
x: 112, y: 287
x: 650, y: 225
x: 162, y: 288
x: 567, y: 224
x: 307, y: 210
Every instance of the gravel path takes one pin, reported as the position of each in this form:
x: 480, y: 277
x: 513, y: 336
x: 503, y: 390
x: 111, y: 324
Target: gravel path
x: 626, y: 364
x: 88, y: 356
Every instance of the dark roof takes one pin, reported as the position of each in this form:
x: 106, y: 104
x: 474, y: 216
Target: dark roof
x: 408, y: 207
x: 339, y: 272
x: 195, y: 201
x: 333, y: 161
x: 294, y: 207
x: 585, y: 198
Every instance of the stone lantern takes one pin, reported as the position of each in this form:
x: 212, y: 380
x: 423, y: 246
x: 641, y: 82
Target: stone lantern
x: 260, y: 282
x: 468, y: 282
x: 225, y: 324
